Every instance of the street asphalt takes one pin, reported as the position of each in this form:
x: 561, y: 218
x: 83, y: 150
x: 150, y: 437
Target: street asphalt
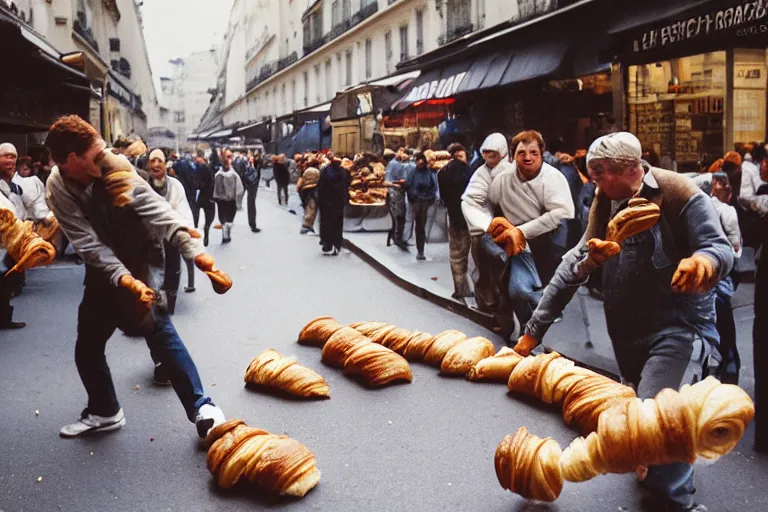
x: 424, y: 446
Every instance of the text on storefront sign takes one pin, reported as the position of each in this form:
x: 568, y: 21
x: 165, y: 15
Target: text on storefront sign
x: 442, y: 88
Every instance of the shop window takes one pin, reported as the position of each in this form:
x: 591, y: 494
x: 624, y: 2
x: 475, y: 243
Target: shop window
x: 676, y: 109
x: 749, y: 92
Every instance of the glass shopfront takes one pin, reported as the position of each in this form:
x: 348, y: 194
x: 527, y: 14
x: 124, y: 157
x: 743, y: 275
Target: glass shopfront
x: 677, y: 106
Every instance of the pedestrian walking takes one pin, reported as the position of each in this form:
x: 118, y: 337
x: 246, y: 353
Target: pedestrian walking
x: 115, y: 242
x: 227, y: 192
x: 396, y: 172
x: 659, y: 303
x: 307, y: 189
x: 251, y: 180
x: 332, y: 198
x: 421, y: 189
x: 204, y: 184
x: 452, y: 181
x: 282, y: 177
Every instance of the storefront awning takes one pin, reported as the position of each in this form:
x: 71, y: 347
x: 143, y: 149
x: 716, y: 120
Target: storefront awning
x: 370, y: 97
x: 257, y: 130
x: 504, y: 67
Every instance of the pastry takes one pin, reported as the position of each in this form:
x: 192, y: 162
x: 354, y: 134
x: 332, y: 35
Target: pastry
x: 497, y: 367
x: 26, y: 248
x: 460, y: 359
x: 273, y: 370
x: 529, y: 466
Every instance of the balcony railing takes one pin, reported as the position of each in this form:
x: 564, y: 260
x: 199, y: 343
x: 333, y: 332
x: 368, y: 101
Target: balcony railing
x: 455, y: 34
x: 85, y: 32
x: 270, y: 68
x: 287, y: 61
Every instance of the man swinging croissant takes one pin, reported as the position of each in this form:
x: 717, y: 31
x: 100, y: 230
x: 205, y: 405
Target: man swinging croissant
x: 662, y: 250
x: 111, y: 216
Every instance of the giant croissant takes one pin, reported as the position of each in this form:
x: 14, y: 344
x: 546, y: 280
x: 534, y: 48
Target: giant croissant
x: 555, y: 380
x: 704, y: 421
x: 278, y: 464
x: 271, y: 369
x: 344, y: 347
x: 26, y: 247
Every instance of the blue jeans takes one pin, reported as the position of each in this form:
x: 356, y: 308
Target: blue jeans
x: 524, y: 287
x: 104, y: 309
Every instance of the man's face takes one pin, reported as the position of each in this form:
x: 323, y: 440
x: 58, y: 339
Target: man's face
x: 616, y: 185
x: 461, y: 156
x: 7, y: 164
x: 421, y: 163
x: 226, y: 158
x: 528, y: 158
x: 157, y: 168
x: 84, y: 168
x: 492, y: 158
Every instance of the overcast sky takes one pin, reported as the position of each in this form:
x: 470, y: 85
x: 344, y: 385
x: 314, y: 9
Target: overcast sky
x: 176, y: 28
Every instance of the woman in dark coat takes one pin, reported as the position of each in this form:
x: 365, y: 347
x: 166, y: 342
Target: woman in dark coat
x: 332, y: 197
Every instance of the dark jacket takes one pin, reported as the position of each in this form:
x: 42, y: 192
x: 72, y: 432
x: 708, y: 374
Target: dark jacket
x: 452, y: 180
x: 332, y: 188
x: 421, y: 185
x: 282, y: 173
x: 204, y: 182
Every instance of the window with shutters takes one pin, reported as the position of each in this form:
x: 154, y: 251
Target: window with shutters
x: 419, y: 31
x: 306, y: 88
x: 388, y: 51
x: 368, y: 57
x: 348, y: 76
x: 403, y: 43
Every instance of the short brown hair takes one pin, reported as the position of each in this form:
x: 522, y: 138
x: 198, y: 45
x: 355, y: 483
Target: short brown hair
x: 70, y: 134
x: 455, y: 148
x: 527, y: 137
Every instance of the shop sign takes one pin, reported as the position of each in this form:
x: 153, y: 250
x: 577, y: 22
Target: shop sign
x: 443, y: 88
x: 742, y: 17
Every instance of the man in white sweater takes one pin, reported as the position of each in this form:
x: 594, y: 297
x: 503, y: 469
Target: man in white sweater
x: 530, y: 199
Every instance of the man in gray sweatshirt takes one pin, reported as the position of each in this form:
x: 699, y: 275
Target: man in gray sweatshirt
x: 111, y: 217
x: 659, y: 302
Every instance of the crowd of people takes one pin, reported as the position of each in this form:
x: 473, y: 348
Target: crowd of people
x: 537, y: 225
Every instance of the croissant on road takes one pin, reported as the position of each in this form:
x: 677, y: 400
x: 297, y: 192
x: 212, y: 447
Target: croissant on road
x: 460, y: 359
x: 25, y: 246
x: 347, y: 348
x: 704, y: 421
x: 529, y: 466
x: 278, y: 464
x: 496, y: 368
x: 554, y: 379
x: 273, y: 370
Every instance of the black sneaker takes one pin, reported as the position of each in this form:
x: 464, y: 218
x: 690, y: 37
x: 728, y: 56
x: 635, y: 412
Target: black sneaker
x: 161, y: 377
x: 421, y: 257
x: 256, y: 230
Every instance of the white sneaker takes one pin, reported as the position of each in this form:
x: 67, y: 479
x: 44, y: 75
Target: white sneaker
x: 207, y: 417
x: 89, y: 423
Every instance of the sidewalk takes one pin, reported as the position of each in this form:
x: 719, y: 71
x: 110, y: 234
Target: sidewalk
x: 582, y: 334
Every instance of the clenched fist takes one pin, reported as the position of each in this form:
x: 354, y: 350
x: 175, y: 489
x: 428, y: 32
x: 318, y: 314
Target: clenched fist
x: 144, y: 294
x: 694, y: 275
x: 525, y: 344
x: 498, y: 226
x: 601, y: 250
x: 221, y: 281
x: 512, y: 240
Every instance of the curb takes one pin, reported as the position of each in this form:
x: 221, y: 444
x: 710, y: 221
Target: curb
x: 478, y: 317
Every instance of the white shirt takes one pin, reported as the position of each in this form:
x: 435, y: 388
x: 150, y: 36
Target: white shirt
x: 178, y: 198
x: 535, y: 207
x: 474, y: 203
x: 750, y: 179
x: 14, y: 199
x: 33, y: 197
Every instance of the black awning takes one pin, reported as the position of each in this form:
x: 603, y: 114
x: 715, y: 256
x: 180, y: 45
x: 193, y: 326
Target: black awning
x: 495, y: 69
x: 656, y: 30
x: 257, y: 130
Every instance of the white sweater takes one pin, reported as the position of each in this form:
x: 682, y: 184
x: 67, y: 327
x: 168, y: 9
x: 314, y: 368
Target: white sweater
x: 33, y: 197
x: 535, y: 207
x: 750, y: 179
x: 176, y: 195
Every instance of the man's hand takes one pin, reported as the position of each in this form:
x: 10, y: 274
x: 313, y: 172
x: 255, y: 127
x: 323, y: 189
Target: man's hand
x: 511, y: 240
x: 601, y: 250
x: 498, y: 226
x: 640, y: 215
x: 143, y: 293
x: 525, y: 344
x: 221, y: 281
x: 194, y: 233
x: 694, y: 275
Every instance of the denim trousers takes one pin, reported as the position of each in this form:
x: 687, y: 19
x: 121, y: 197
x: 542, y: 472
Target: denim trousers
x: 673, y: 357
x: 104, y: 309
x: 524, y: 287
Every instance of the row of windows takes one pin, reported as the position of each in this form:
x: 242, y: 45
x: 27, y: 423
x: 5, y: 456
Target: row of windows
x: 344, y: 70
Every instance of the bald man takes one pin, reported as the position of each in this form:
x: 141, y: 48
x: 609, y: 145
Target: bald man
x: 10, y: 199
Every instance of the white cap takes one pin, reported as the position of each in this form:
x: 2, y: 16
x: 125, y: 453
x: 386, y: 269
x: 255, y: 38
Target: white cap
x: 616, y: 146
x: 496, y: 142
